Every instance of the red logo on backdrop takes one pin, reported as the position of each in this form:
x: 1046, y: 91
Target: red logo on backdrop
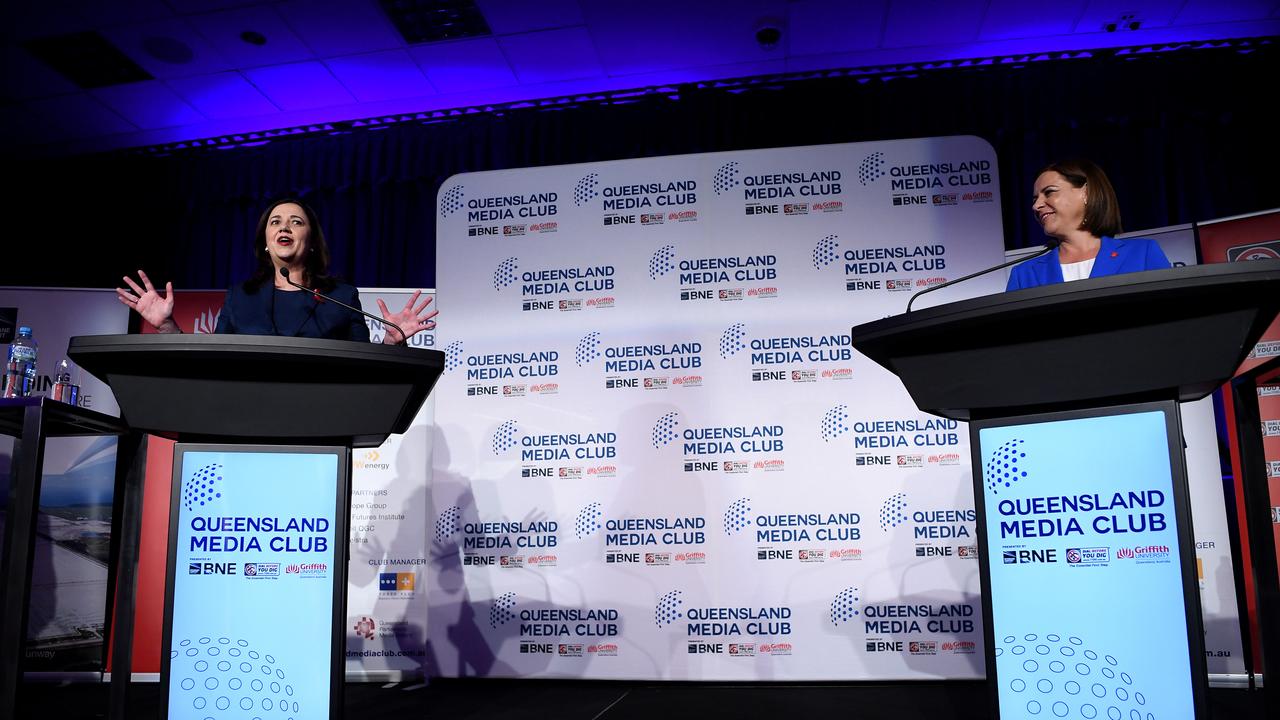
x: 195, y: 311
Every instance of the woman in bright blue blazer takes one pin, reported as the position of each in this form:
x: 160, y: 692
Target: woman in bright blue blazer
x: 1075, y: 203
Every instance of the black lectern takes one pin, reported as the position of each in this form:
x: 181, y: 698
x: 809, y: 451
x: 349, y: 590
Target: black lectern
x: 1090, y: 605
x: 255, y: 600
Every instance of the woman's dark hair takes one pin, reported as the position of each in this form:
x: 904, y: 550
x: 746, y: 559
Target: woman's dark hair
x: 317, y: 260
x: 1102, y: 213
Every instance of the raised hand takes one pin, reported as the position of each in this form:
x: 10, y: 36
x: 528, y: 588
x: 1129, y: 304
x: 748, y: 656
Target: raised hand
x: 412, y: 320
x: 155, y: 308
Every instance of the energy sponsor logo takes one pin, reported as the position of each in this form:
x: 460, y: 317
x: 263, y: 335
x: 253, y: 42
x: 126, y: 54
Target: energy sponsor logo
x: 1146, y: 554
x: 370, y: 460
x: 1086, y: 557
x: 262, y: 570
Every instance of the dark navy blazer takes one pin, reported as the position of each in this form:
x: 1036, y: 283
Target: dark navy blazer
x: 1114, y: 257
x: 296, y: 314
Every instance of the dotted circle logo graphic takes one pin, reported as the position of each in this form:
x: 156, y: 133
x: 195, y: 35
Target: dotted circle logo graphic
x: 586, y: 189
x: 451, y: 200
x: 588, y: 521
x: 731, y: 340
x: 506, y: 273
x: 453, y: 356
x: 500, y: 611
x: 504, y: 438
x: 661, y: 262
x: 736, y: 518
x: 1060, y: 677
x: 447, y: 523
x: 726, y: 178
x: 233, y: 677
x: 1005, y: 468
x: 835, y: 422
x: 845, y: 606
x: 668, y: 609
x: 891, y: 512
x: 588, y: 348
x: 202, y: 487
x: 871, y: 168
x: 824, y: 253
x: 664, y: 431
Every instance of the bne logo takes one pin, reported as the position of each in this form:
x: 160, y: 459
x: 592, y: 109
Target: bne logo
x: 1024, y: 557
x: 210, y: 568
x: 884, y: 646
x: 697, y: 648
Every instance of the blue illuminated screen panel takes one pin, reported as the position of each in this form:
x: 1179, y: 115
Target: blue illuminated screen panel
x: 253, y: 587
x: 1086, y: 591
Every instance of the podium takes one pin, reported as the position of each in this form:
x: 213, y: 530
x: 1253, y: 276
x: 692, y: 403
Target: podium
x: 255, y: 604
x: 1090, y: 600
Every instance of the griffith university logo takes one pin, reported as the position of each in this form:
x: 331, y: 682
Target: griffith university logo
x: 1006, y: 466
x: 1045, y: 661
x: 505, y: 274
x: 668, y: 609
x: 588, y: 522
x: 844, y: 607
x: 726, y: 178
x: 206, y: 322
x: 500, y: 611
x: 451, y: 200
x: 736, y: 517
x: 891, y: 512
x: 664, y: 431
x: 504, y: 438
x: 835, y: 423
x: 824, y: 253
x: 453, y: 356
x: 731, y: 340
x: 588, y: 348
x: 447, y: 523
x: 871, y: 168
x: 202, y: 487
x: 661, y: 262
x: 586, y: 189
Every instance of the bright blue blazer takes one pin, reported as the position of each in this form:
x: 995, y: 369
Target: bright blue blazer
x: 1114, y: 257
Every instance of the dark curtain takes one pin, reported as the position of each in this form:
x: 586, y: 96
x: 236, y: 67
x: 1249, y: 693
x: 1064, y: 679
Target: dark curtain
x: 1185, y: 136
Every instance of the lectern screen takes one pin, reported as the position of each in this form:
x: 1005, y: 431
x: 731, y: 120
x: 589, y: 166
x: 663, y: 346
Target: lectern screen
x: 1086, y: 589
x: 253, y: 565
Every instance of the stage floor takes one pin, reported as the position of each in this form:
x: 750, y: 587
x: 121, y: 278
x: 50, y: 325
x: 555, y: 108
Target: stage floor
x: 572, y: 700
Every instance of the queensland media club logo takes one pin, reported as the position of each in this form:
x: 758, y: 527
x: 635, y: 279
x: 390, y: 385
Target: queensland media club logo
x: 203, y: 487
x: 452, y: 200
x: 1006, y: 466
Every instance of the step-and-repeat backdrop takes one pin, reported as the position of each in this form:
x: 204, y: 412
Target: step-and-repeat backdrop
x: 657, y: 455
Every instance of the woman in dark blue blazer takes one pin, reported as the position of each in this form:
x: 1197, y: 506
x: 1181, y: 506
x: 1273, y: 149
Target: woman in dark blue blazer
x: 289, y: 237
x: 1075, y: 203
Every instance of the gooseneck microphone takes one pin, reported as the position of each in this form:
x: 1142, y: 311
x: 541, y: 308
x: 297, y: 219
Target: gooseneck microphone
x: 1052, y: 244
x: 284, y: 272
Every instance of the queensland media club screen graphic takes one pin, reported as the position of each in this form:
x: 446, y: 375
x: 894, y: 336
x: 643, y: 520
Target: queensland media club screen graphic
x: 1086, y: 593
x: 256, y: 532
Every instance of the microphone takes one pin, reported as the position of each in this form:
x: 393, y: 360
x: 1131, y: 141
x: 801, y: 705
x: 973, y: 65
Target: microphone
x: 284, y: 272
x: 1052, y: 244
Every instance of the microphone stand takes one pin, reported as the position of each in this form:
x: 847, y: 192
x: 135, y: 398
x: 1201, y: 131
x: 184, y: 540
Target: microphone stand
x: 404, y: 339
x: 1052, y: 245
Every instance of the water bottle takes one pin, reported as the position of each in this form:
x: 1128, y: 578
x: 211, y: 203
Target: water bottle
x: 20, y: 370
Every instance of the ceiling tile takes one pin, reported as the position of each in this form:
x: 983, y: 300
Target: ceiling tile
x: 223, y: 30
x: 121, y: 12
x: 914, y: 23
x: 1201, y: 12
x: 815, y: 27
x: 148, y: 105
x: 636, y: 37
x: 340, y: 27
x: 462, y: 65
x: 516, y: 16
x: 1152, y: 13
x: 1008, y: 19
x: 380, y: 76
x: 222, y: 96
x: 551, y: 55
x: 150, y: 45
x: 299, y: 86
x: 22, y: 76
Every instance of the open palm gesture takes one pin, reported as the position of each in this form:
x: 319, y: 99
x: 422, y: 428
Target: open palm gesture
x: 155, y: 308
x: 412, y: 320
